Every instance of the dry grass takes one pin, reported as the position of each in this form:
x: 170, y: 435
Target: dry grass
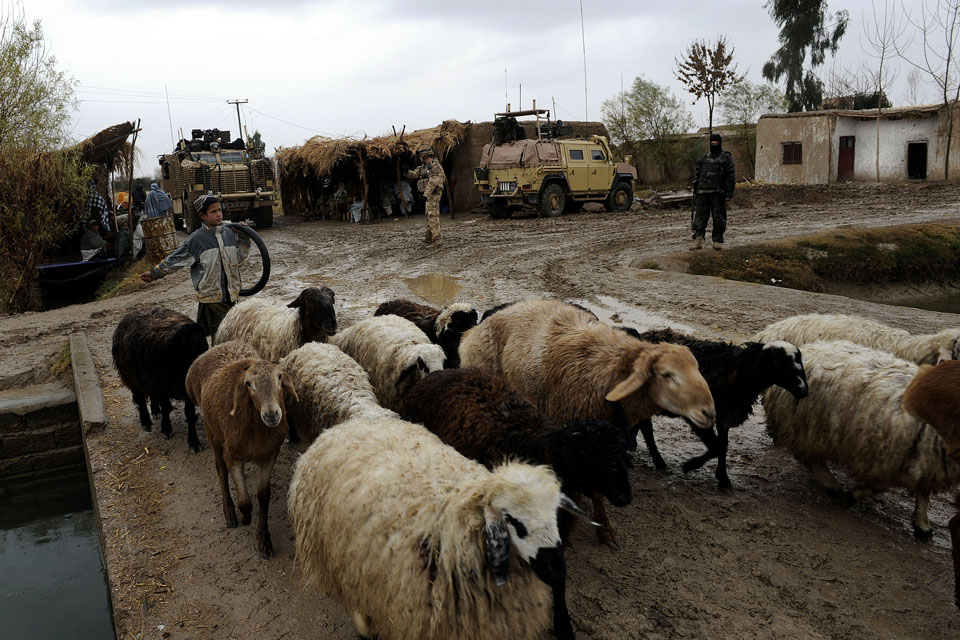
x: 902, y: 254
x: 125, y: 280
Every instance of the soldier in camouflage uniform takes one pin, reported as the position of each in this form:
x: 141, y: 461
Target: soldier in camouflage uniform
x: 430, y: 180
x: 714, y: 184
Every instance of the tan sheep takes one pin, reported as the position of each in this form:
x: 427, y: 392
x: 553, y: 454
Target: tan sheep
x: 815, y: 327
x: 212, y: 360
x: 855, y: 416
x: 420, y: 543
x: 245, y: 420
x: 574, y: 367
x: 932, y: 396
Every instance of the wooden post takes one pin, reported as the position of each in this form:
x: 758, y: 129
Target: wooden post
x: 366, y: 188
x: 130, y: 219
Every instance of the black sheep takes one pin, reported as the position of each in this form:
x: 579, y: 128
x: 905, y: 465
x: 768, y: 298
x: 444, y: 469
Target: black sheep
x: 737, y: 375
x: 443, y: 326
x: 487, y: 419
x: 153, y: 348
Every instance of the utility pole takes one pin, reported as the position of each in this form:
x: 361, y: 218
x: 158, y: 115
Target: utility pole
x: 239, y: 125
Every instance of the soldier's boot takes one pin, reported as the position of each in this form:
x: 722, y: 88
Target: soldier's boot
x: 697, y: 243
x: 718, y: 246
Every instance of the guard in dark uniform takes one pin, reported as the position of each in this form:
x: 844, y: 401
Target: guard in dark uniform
x: 713, y: 187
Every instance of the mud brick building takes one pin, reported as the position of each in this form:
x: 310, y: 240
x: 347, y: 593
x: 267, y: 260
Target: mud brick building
x: 836, y: 145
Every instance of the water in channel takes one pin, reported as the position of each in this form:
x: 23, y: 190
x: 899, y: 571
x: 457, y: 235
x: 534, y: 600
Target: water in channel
x: 52, y: 582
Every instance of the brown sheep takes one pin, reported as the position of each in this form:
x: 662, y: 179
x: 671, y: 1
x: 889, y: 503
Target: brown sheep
x: 212, y: 360
x: 245, y: 419
x: 932, y: 397
x: 573, y: 367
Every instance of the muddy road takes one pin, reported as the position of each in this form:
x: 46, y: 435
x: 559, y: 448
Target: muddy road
x: 774, y: 558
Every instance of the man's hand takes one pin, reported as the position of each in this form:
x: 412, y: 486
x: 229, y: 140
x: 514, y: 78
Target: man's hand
x: 146, y: 277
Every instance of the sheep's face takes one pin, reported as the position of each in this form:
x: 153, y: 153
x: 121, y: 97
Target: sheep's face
x: 669, y: 376
x: 524, y: 505
x: 318, y: 319
x: 784, y: 364
x: 264, y: 383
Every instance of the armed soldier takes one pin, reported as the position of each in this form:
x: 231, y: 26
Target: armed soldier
x: 713, y: 188
x: 430, y: 180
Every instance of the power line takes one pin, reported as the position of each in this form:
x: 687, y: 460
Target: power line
x: 292, y: 124
x: 147, y: 93
x: 150, y: 101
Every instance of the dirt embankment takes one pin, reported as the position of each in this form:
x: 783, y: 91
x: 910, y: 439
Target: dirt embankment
x: 775, y: 558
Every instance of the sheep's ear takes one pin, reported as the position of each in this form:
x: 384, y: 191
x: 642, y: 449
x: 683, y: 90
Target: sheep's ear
x: 637, y: 378
x: 944, y: 354
x: 422, y: 365
x: 296, y: 304
x: 287, y: 385
x: 238, y: 392
x: 496, y: 545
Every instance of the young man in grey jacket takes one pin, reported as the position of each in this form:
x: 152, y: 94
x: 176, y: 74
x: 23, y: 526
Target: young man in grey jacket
x: 213, y: 253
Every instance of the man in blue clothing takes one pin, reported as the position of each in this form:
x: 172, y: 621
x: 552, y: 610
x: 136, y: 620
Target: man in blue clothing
x: 213, y: 253
x: 157, y: 202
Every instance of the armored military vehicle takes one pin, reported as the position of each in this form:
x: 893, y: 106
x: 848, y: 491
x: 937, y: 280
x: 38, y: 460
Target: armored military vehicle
x: 239, y: 174
x: 549, y: 174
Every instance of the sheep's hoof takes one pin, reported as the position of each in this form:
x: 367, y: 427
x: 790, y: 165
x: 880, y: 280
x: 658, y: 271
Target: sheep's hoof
x: 194, y: 446
x: 607, y: 538
x: 923, y: 535
x: 840, y: 497
x: 724, y: 484
x: 265, y: 550
x: 146, y: 426
x: 232, y: 524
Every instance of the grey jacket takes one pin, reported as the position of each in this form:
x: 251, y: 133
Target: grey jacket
x: 214, y: 257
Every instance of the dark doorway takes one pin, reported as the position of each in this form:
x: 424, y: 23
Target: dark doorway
x: 917, y: 160
x: 845, y: 163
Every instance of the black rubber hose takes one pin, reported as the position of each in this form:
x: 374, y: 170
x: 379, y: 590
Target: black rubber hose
x: 264, y: 256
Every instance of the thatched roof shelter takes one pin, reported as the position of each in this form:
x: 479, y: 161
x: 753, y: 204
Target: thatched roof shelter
x: 362, y: 160
x: 109, y: 147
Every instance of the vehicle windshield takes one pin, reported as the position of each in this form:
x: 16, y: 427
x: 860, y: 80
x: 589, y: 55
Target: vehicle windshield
x: 231, y: 156
x: 209, y: 158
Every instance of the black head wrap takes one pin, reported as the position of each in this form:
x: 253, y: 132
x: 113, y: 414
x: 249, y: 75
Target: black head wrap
x: 203, y: 203
x: 715, y: 137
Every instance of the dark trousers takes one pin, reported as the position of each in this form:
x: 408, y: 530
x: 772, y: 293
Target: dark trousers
x: 710, y: 204
x: 211, y: 314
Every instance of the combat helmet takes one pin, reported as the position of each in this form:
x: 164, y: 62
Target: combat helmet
x: 425, y: 150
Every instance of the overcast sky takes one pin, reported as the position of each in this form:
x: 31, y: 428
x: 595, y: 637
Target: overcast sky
x: 349, y: 67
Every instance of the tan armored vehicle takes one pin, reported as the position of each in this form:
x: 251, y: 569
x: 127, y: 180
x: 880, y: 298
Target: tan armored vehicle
x: 237, y: 173
x: 549, y: 174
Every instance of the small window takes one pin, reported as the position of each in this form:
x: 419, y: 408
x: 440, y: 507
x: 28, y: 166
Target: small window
x: 792, y: 153
x: 576, y: 154
x: 597, y: 154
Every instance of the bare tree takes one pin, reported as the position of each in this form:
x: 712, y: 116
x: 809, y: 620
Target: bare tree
x: 706, y: 71
x: 939, y: 22
x: 914, y: 93
x: 883, y: 38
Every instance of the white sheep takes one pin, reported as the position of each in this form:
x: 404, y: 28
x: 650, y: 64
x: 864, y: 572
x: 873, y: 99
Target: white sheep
x: 421, y: 543
x: 854, y: 416
x: 394, y: 352
x: 331, y: 388
x: 275, y: 329
x: 814, y: 327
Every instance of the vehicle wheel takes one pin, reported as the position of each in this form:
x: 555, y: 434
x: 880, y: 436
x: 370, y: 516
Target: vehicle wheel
x: 573, y: 206
x: 264, y: 256
x: 552, y: 200
x: 620, y: 198
x: 500, y: 211
x: 263, y: 217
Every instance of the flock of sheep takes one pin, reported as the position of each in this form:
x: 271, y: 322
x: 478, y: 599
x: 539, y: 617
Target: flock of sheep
x: 449, y: 455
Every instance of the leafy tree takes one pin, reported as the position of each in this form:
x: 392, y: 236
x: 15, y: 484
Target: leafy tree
x: 742, y: 105
x: 938, y: 28
x: 35, y: 98
x: 707, y: 72
x: 42, y: 192
x: 803, y: 32
x: 648, y: 112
